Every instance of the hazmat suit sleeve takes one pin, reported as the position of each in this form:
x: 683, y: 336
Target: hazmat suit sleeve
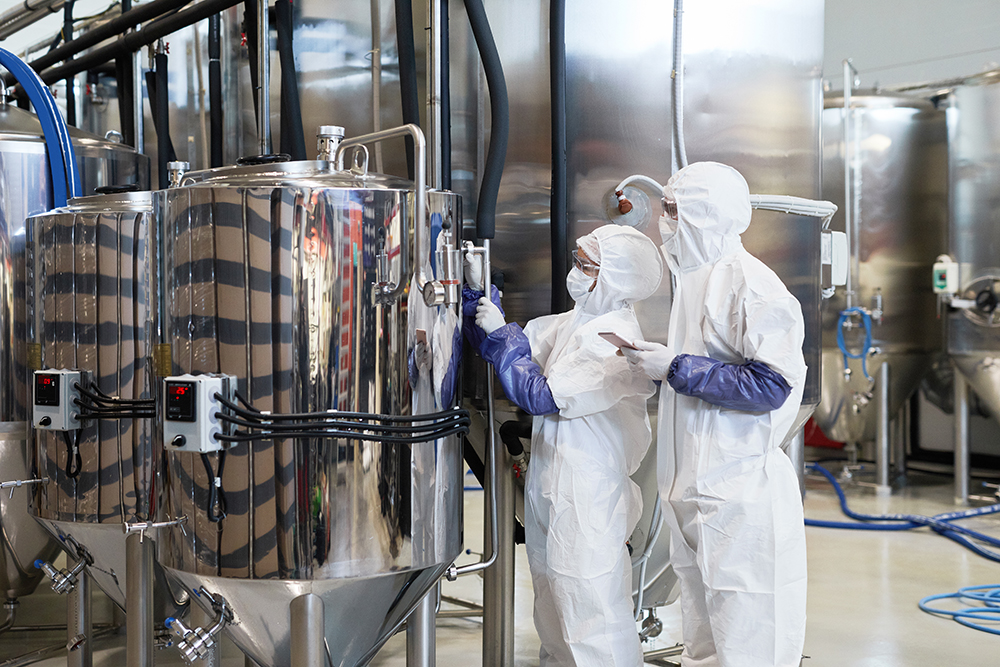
x: 509, y: 351
x: 772, y: 349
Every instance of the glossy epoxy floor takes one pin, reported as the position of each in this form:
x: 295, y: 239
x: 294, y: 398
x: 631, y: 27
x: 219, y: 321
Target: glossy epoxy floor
x: 864, y: 588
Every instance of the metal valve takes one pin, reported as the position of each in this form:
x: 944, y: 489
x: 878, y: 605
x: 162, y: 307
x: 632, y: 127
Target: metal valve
x: 142, y: 526
x: 176, y: 171
x: 195, y: 643
x: 18, y: 483
x: 63, y: 581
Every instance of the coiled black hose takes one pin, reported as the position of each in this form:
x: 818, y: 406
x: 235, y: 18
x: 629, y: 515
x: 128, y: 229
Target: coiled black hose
x: 407, y: 73
x: 500, y: 119
x: 293, y: 140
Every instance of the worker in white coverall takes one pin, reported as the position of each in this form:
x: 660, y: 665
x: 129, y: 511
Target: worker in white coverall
x: 590, y: 432
x: 732, y: 374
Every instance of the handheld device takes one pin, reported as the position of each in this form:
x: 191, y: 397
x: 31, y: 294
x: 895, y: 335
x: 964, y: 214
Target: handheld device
x: 616, y: 340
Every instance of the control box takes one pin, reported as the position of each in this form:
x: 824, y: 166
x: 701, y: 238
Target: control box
x: 53, y: 407
x: 834, y: 258
x: 945, y: 275
x: 189, y: 409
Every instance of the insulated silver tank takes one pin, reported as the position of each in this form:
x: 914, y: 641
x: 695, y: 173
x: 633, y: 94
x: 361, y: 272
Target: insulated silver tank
x: 91, y: 306
x: 974, y: 167
x: 270, y: 276
x: 899, y: 181
x: 24, y: 181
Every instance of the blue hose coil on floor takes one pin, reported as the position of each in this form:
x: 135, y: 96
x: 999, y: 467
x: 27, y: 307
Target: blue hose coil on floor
x: 988, y: 596
x: 941, y: 524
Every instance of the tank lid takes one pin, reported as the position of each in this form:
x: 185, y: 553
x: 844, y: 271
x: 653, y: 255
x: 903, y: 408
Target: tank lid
x: 21, y: 125
x: 129, y: 200
x: 872, y: 99
x: 318, y: 173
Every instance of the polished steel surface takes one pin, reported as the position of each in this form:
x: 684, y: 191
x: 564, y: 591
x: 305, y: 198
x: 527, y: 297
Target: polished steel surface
x: 973, y: 150
x: 23, y: 539
x: 900, y: 180
x: 269, y: 275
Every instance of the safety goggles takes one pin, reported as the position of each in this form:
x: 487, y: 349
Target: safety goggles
x: 584, y: 263
x: 669, y: 207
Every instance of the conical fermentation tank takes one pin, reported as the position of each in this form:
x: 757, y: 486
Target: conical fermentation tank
x: 974, y: 237
x: 91, y: 307
x: 24, y: 180
x: 272, y: 275
x: 897, y: 149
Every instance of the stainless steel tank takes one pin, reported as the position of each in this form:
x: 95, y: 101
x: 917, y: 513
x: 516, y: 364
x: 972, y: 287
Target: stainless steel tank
x: 91, y: 306
x: 24, y: 179
x: 752, y: 99
x: 974, y: 237
x: 898, y: 152
x: 269, y: 276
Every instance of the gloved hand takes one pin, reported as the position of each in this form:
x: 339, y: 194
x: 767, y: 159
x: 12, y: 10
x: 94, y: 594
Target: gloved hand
x: 488, y: 316
x: 651, y: 359
x: 474, y: 270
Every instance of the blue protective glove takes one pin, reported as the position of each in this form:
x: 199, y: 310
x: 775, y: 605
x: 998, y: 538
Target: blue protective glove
x: 508, y: 350
x: 751, y: 386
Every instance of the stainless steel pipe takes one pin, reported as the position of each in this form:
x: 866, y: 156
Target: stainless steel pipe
x: 421, y: 626
x: 884, y: 438
x: 263, y: 78
x: 962, y: 453
x: 498, y: 581
x: 308, y: 618
x: 80, y: 631
x: 139, y: 601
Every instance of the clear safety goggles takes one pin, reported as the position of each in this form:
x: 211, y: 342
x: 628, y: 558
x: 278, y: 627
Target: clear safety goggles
x: 669, y: 207
x: 584, y: 263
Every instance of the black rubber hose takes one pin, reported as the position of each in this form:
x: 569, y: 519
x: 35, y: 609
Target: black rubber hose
x: 70, y: 82
x: 445, y: 98
x: 558, y: 222
x: 159, y: 103
x: 126, y: 101
x: 496, y: 155
x: 215, y: 87
x: 407, y: 73
x: 293, y: 140
x: 511, y: 433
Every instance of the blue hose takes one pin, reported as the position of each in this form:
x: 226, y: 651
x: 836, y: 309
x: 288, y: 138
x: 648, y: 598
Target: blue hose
x: 61, y: 157
x: 988, y: 596
x: 941, y: 523
x: 863, y: 356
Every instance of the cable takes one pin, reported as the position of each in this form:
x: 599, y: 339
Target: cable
x: 941, y: 523
x: 340, y: 424
x: 344, y: 435
x: 73, y: 455
x: 216, y: 496
x: 863, y: 356
x: 255, y: 413
x: 989, y: 596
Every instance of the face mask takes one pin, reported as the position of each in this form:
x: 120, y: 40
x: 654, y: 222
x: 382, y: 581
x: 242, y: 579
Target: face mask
x: 668, y: 227
x: 578, y: 284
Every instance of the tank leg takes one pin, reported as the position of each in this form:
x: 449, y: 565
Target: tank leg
x: 139, y: 601
x: 883, y: 487
x: 421, y: 645
x: 961, y: 439
x: 308, y: 631
x: 80, y: 631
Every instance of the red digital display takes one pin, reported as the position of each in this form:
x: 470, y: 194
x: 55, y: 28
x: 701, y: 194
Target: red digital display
x: 46, y: 389
x: 178, y: 390
x: 45, y: 381
x: 180, y: 401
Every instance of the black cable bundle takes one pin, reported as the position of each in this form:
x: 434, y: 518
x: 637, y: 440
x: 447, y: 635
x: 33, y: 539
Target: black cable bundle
x: 389, y: 429
x: 216, y: 496
x: 74, y: 460
x: 102, y: 406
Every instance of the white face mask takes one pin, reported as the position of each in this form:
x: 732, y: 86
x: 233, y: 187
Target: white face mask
x: 668, y: 227
x: 578, y: 284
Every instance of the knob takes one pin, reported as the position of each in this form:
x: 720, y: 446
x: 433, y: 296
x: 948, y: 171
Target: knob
x: 45, y: 421
x: 178, y: 441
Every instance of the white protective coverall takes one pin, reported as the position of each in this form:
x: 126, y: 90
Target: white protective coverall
x: 734, y: 508
x: 580, y: 505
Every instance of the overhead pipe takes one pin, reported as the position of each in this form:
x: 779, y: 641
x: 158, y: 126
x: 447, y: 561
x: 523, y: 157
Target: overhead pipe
x: 500, y: 119
x: 23, y: 15
x: 445, y: 71
x: 67, y: 35
x: 434, y: 121
x: 133, y: 41
x: 558, y: 220
x: 376, y: 53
